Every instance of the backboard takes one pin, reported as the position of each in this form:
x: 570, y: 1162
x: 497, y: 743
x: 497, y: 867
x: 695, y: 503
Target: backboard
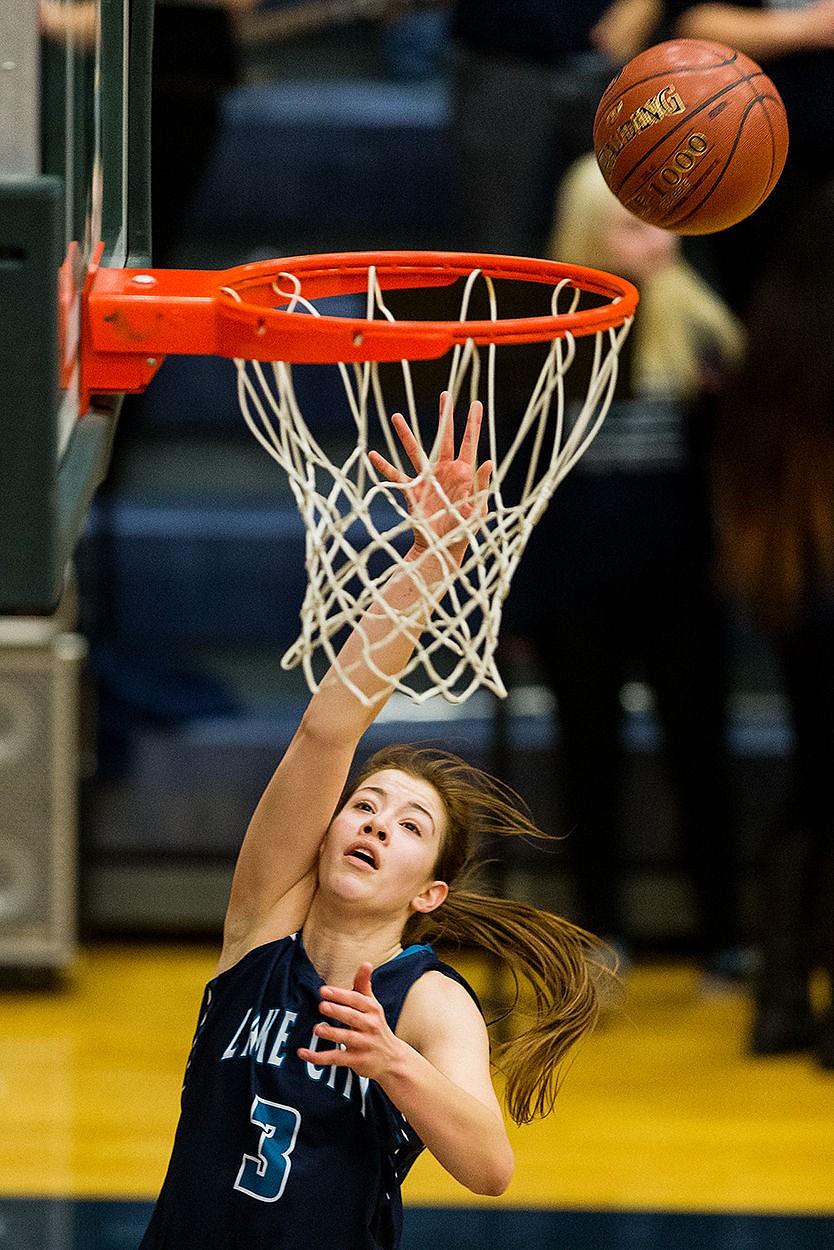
x: 75, y: 83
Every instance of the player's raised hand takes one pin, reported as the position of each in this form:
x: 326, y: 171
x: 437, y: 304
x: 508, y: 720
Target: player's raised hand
x: 446, y: 490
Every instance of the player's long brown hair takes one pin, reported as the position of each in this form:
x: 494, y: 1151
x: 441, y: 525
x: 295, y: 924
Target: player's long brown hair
x: 547, y: 956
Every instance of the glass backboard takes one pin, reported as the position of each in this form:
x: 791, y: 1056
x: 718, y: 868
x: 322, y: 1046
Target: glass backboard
x: 74, y: 161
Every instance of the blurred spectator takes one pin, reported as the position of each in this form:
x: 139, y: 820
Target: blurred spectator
x: 794, y: 43
x: 529, y: 75
x: 774, y: 490
x: 616, y: 583
x: 195, y: 61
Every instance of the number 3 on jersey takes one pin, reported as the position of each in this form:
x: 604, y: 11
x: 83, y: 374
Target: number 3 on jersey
x: 264, y: 1175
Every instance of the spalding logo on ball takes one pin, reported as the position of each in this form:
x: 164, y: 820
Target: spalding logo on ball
x: 691, y: 136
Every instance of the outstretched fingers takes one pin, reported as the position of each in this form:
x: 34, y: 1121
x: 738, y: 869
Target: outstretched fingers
x: 413, y: 449
x: 410, y: 446
x: 446, y: 427
x: 450, y: 489
x: 472, y: 433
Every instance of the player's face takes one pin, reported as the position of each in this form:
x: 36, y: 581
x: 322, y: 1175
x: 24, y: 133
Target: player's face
x: 383, y: 845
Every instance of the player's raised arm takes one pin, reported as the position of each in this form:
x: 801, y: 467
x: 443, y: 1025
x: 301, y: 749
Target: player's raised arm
x: 276, y: 870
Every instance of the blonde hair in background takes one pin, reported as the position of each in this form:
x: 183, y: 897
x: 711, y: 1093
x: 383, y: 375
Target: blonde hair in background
x: 680, y: 319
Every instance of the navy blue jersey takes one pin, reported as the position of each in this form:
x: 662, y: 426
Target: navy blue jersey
x: 271, y: 1152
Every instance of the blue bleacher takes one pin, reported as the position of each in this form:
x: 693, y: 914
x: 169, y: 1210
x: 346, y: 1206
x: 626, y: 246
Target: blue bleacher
x: 341, y: 161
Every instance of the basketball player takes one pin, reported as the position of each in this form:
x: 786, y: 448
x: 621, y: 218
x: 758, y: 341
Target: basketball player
x: 332, y: 1044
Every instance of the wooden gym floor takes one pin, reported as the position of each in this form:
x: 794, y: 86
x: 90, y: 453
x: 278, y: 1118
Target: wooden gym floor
x: 667, y: 1135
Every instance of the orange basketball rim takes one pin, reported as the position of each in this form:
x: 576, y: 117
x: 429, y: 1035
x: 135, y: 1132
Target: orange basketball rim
x: 133, y: 318
x: 273, y: 314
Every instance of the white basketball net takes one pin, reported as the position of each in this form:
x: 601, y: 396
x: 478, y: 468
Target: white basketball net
x: 352, y: 515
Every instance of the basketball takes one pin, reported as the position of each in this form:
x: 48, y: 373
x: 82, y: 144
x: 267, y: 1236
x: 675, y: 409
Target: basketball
x: 691, y: 136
